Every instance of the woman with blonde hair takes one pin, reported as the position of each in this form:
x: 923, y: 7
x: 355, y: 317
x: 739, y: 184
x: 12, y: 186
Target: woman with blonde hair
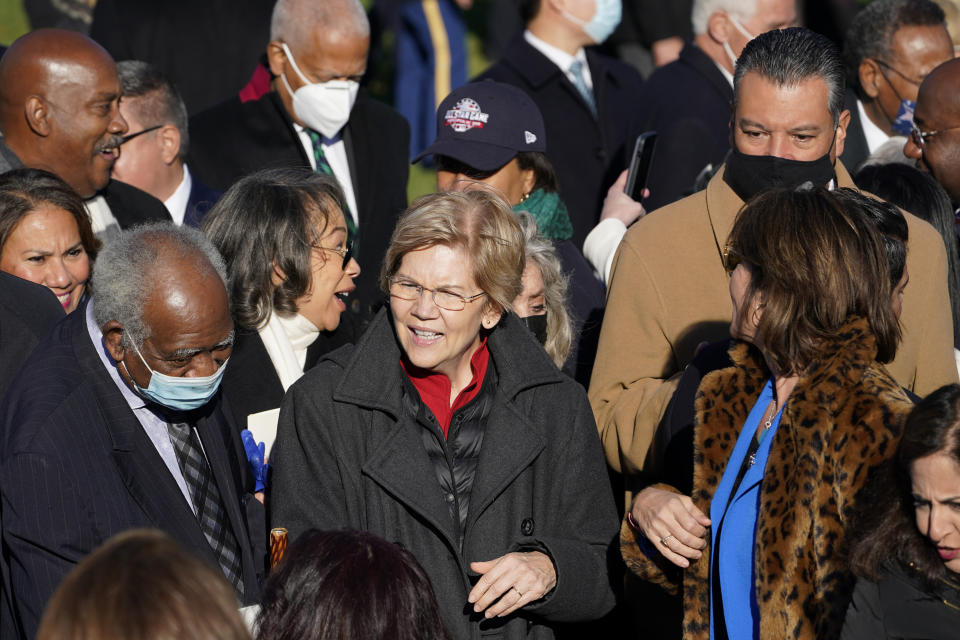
x: 448, y: 430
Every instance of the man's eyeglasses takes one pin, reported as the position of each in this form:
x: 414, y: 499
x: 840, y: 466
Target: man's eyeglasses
x: 890, y: 67
x: 920, y: 138
x: 407, y: 290
x: 130, y: 137
x: 345, y: 254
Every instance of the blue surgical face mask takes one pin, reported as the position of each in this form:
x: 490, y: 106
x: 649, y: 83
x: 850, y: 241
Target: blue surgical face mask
x: 179, y: 393
x: 903, y: 123
x: 605, y: 19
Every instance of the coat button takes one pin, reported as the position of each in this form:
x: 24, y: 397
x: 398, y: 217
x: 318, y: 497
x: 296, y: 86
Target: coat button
x: 449, y: 497
x: 526, y: 527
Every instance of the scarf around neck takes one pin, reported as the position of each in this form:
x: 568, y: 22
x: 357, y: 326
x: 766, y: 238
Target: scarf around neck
x: 553, y: 221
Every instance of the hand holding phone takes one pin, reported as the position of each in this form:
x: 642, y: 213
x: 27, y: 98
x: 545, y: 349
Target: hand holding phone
x: 640, y: 164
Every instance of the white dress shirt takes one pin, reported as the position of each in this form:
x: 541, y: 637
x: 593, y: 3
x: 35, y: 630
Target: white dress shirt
x: 561, y: 58
x: 336, y: 153
x: 176, y: 204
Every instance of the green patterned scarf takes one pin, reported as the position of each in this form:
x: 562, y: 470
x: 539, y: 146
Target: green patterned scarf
x: 551, y: 215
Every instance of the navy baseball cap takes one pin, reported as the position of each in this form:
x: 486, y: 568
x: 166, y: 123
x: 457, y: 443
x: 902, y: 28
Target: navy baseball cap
x: 485, y: 124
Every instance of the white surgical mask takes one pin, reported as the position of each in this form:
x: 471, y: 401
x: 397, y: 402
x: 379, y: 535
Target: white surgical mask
x: 322, y: 106
x: 743, y: 31
x: 606, y: 17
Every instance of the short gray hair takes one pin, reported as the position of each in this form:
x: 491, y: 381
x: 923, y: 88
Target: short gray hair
x: 294, y: 21
x: 123, y: 278
x: 741, y: 10
x: 787, y: 57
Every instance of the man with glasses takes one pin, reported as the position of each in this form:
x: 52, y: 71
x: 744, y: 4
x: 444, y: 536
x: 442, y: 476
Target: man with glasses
x: 669, y: 290
x: 890, y: 48
x: 935, y: 140
x: 59, y: 97
x: 152, y: 153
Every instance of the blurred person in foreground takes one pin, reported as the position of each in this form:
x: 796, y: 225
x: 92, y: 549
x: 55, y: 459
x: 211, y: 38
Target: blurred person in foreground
x: 907, y: 556
x: 141, y: 585
x: 784, y: 438
x: 333, y: 585
x: 447, y: 429
x: 788, y: 127
x: 283, y: 236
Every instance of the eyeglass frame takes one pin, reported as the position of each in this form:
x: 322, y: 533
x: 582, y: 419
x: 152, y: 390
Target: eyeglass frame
x: 128, y: 138
x: 889, y: 66
x: 919, y: 137
x: 731, y: 258
x: 346, y: 254
x: 433, y: 295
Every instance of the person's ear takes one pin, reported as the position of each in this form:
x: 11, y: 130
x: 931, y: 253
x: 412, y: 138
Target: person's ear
x: 527, y: 180
x: 278, y: 276
x: 491, y: 315
x: 169, y: 138
x: 113, y: 340
x: 718, y: 27
x: 870, y: 77
x: 276, y: 58
x: 842, y: 123
x: 37, y: 113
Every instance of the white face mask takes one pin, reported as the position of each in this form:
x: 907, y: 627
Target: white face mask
x: 606, y: 17
x: 321, y: 106
x: 743, y: 31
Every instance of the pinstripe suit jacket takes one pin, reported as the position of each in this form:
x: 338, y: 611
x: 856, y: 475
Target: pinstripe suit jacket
x: 76, y: 468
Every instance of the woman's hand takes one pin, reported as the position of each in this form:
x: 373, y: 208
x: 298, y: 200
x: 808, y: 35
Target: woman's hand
x: 511, y: 581
x: 619, y: 205
x: 675, y: 526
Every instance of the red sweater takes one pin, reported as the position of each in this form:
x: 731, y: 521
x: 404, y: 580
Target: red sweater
x: 434, y: 388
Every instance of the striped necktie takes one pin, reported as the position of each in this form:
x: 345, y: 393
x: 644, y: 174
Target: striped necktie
x: 206, y: 500
x: 324, y: 168
x: 576, y: 68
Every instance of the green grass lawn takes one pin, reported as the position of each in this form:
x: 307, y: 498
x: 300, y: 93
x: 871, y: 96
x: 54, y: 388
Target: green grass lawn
x: 13, y: 21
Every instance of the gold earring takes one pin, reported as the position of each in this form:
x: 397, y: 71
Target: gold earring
x: 524, y: 197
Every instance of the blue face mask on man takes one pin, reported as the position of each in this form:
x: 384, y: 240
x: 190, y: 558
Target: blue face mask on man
x: 179, y: 393
x: 902, y: 123
x: 606, y: 17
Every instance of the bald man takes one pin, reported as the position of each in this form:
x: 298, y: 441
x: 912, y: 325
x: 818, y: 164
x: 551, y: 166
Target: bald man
x: 59, y: 96
x: 935, y: 141
x: 116, y: 422
x: 315, y: 117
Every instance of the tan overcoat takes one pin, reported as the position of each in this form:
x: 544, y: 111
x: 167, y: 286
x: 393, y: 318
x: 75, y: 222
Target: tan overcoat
x: 669, y: 292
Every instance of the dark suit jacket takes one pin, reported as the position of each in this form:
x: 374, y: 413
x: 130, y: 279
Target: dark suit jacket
x: 208, y: 49
x: 587, y: 153
x: 688, y: 103
x: 855, y: 149
x: 131, y: 206
x: 234, y: 139
x: 76, y: 467
x: 202, y: 198
x: 27, y: 313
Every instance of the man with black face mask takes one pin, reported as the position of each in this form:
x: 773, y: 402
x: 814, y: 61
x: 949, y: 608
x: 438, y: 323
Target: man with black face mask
x: 669, y: 290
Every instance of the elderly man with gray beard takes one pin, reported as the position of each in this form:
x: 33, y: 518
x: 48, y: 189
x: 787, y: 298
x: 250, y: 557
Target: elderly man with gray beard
x: 116, y: 422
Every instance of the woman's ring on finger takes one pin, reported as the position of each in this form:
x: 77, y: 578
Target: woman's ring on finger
x: 664, y: 539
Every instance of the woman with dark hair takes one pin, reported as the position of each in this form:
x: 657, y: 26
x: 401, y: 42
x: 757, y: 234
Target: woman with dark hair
x: 507, y: 155
x: 141, y: 585
x: 908, y: 557
x: 449, y: 431
x: 45, y: 234
x: 917, y: 192
x: 785, y: 437
x: 283, y: 236
x: 333, y: 585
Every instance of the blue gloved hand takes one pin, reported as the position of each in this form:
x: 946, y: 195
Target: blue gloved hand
x: 255, y: 456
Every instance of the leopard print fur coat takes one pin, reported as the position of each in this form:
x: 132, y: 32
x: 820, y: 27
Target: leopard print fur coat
x: 843, y: 418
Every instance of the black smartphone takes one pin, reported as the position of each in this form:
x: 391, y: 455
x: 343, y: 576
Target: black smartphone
x: 640, y: 164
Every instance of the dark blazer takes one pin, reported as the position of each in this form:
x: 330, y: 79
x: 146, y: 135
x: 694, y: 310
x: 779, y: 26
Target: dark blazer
x: 208, y: 49
x: 202, y: 198
x: 76, y: 467
x: 131, y: 206
x: 349, y: 455
x: 587, y: 153
x: 27, y: 313
x: 234, y: 139
x: 855, y: 149
x: 688, y: 103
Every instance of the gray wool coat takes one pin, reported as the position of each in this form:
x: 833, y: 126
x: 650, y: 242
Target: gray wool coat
x: 347, y: 456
